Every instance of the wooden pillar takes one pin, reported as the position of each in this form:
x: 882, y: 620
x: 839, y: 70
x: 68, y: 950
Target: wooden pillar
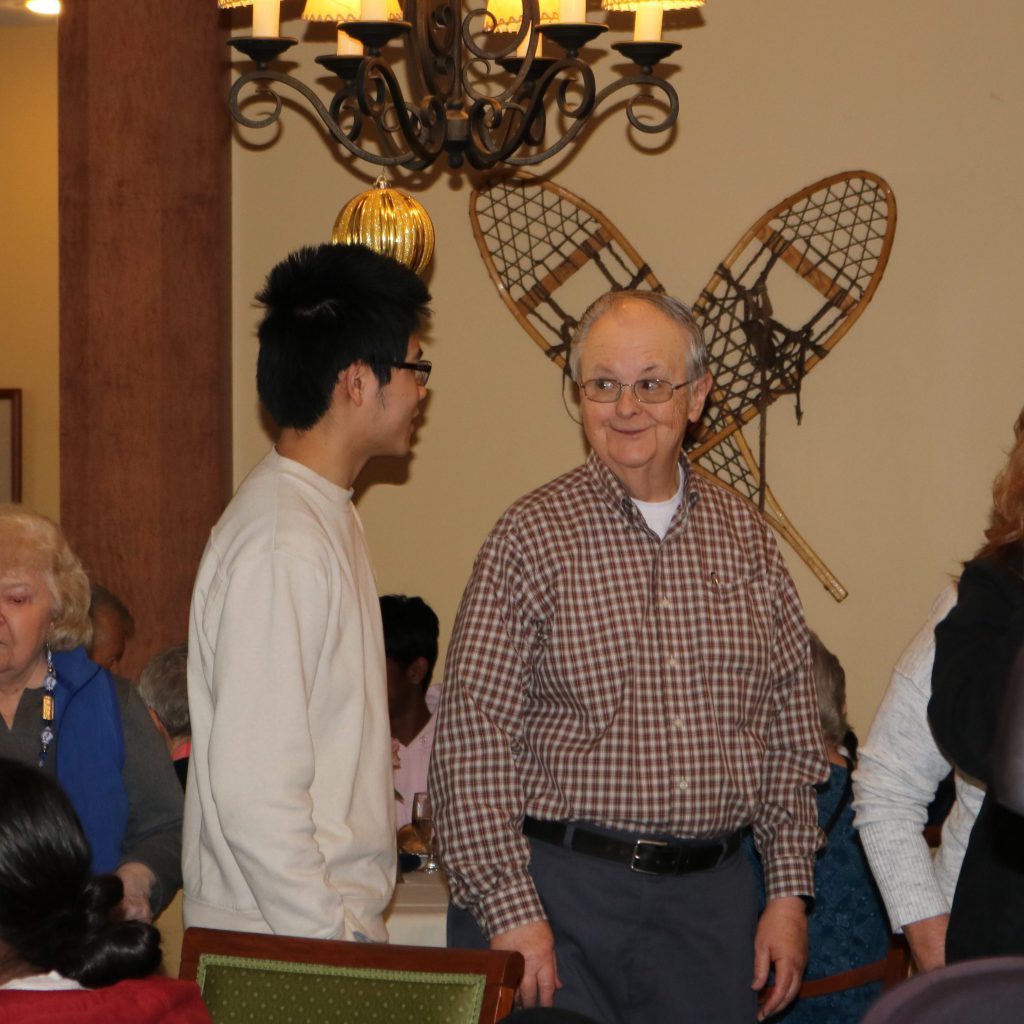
x: 145, y: 291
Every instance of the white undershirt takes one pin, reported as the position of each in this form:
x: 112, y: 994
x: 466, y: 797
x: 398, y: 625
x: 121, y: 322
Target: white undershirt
x: 658, y: 514
x: 52, y: 982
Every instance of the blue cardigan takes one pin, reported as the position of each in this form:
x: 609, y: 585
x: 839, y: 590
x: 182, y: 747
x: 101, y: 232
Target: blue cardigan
x: 89, y: 750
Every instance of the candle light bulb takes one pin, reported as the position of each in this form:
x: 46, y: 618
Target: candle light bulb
x: 647, y: 27
x: 266, y: 19
x: 573, y: 12
x: 347, y: 46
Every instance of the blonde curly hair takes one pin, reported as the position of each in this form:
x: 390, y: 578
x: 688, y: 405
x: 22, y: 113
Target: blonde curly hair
x: 33, y: 542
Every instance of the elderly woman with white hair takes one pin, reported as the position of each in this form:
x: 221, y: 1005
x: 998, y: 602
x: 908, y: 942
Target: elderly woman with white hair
x: 68, y: 717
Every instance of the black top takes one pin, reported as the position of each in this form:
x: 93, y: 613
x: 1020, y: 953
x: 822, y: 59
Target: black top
x: 181, y: 770
x: 975, y: 648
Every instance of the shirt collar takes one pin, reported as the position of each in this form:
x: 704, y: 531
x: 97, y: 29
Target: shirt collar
x: 611, y: 492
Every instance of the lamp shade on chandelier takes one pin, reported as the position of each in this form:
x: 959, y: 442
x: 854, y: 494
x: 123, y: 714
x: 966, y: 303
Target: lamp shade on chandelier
x: 648, y: 14
x: 473, y: 81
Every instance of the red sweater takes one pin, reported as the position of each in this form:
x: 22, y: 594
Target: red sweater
x: 144, y: 1001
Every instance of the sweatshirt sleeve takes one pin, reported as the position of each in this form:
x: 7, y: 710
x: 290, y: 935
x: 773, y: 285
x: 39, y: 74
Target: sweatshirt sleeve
x: 898, y: 771
x: 271, y: 632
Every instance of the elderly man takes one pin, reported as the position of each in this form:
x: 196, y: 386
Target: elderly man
x: 627, y: 689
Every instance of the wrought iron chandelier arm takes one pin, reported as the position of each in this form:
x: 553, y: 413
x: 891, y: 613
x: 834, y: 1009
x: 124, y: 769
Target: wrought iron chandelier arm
x: 432, y: 48
x: 516, y: 123
x: 477, y: 58
x: 671, y: 98
x: 421, y: 128
x: 670, y: 95
x: 329, y: 117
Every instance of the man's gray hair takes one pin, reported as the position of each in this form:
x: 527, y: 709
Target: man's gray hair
x: 163, y: 685
x: 696, y: 358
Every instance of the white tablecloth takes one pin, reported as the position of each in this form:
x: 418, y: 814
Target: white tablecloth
x: 418, y: 911
x: 415, y: 917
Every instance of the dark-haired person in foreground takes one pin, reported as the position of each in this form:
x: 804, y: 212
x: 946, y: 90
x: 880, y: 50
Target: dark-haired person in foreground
x: 627, y: 688
x: 289, y: 814
x: 60, y: 931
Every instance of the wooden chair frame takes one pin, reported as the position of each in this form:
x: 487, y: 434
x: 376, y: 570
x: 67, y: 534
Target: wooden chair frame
x: 890, y: 971
x: 502, y: 970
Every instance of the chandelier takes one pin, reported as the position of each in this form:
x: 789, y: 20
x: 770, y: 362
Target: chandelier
x: 480, y: 86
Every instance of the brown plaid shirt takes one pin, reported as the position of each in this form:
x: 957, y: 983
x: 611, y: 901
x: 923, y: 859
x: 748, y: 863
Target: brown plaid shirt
x: 601, y: 674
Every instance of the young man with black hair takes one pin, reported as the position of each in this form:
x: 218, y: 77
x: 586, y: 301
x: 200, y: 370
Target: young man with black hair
x: 289, y: 819
x: 410, y: 646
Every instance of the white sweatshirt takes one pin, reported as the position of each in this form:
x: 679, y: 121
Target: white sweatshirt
x: 289, y: 815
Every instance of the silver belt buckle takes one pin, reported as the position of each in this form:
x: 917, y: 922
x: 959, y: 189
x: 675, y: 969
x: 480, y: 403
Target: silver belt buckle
x: 634, y: 863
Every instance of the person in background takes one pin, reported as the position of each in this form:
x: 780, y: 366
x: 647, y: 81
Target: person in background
x: 163, y: 685
x: 410, y: 646
x: 627, y: 689
x: 847, y: 927
x: 899, y: 771
x: 1008, y: 763
x: 975, y: 648
x: 112, y: 627
x: 60, y: 931
x: 69, y: 717
x: 290, y: 810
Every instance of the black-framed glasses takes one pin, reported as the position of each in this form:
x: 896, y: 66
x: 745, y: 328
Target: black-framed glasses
x: 421, y: 367
x: 650, y: 391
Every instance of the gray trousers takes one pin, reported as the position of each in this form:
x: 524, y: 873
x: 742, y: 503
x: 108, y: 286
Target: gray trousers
x: 644, y: 949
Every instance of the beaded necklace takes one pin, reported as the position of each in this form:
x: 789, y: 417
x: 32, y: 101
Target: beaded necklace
x: 49, y: 708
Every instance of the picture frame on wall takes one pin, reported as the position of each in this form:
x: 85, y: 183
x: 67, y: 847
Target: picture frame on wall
x: 10, y: 445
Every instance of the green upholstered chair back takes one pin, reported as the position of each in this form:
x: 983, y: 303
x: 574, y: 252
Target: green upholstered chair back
x: 273, y: 979
x: 240, y: 989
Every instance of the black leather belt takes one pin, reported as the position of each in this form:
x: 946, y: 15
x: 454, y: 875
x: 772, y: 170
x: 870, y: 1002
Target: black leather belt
x: 647, y: 856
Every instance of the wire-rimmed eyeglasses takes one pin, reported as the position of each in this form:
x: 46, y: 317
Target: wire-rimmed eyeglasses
x: 650, y: 390
x: 421, y: 367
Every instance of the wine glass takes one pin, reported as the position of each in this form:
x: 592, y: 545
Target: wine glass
x: 423, y: 822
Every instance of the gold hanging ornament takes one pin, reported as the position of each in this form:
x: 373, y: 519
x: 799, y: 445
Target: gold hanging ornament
x: 388, y: 221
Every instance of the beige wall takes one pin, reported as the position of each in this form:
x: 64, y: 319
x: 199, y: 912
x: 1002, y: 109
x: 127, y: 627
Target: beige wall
x: 28, y: 251
x: 905, y: 424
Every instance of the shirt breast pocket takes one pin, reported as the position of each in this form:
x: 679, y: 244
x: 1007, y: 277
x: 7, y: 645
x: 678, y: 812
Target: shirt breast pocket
x: 736, y: 639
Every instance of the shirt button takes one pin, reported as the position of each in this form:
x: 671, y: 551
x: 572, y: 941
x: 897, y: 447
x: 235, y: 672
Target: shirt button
x: 673, y: 662
x: 678, y: 721
x: 664, y: 603
x: 682, y: 785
